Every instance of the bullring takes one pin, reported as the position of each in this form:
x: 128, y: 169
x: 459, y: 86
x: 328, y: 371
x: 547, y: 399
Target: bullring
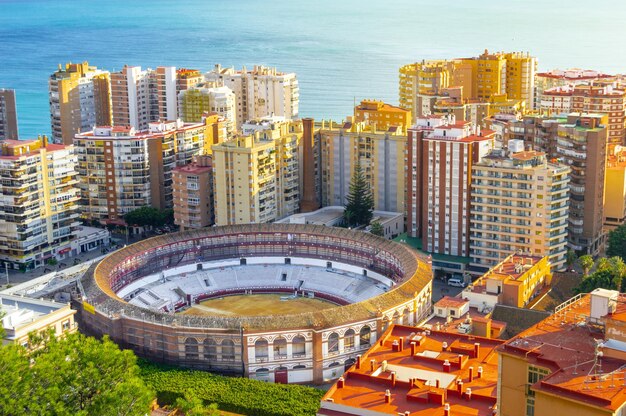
x: 136, y: 294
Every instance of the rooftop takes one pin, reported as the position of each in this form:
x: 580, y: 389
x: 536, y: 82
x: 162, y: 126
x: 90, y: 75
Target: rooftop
x: 569, y: 343
x: 20, y: 311
x: 423, y: 371
x: 512, y: 268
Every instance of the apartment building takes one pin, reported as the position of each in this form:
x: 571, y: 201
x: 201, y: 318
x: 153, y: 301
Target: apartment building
x: 257, y: 177
x: 589, y: 98
x: 143, y: 96
x: 187, y: 78
x: 80, y: 98
x: 193, y: 193
x: 482, y: 77
x: 382, y: 115
x: 379, y: 152
x: 39, y: 209
x: 560, y: 78
x: 581, y: 143
x: 615, y: 191
x: 572, y: 362
x: 260, y: 92
x: 195, y: 102
x: 519, y: 204
x: 122, y: 169
x: 440, y: 157
x: 8, y: 115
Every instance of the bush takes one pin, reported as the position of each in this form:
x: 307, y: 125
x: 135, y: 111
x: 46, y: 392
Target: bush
x: 231, y: 394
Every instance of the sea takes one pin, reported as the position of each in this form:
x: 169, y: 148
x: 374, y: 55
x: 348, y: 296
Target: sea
x: 341, y: 50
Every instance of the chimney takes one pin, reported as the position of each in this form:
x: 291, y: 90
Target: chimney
x: 446, y: 366
x: 358, y: 362
x: 479, y: 373
x: 437, y: 383
x: 459, y: 386
x: 393, y: 379
x: 387, y: 396
x: 468, y: 393
x: 460, y: 360
x: 340, y: 382
x: 476, y: 349
x: 444, y: 346
x: 372, y: 365
x: 471, y: 374
x: 401, y: 343
x: 446, y: 409
x: 413, y: 349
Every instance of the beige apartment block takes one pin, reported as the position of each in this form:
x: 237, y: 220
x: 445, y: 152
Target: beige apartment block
x: 193, y: 194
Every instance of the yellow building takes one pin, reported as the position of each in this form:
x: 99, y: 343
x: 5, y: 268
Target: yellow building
x: 257, y: 176
x: 80, y: 98
x: 382, y: 115
x: 571, y: 363
x: 24, y: 316
x: 513, y: 282
x: 615, y: 191
x: 195, y: 102
x: 380, y: 152
x: 482, y: 77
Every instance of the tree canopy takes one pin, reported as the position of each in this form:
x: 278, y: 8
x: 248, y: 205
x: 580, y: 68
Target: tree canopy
x: 360, y: 202
x: 610, y: 274
x: 377, y: 229
x: 149, y: 216
x: 617, y: 242
x: 77, y: 375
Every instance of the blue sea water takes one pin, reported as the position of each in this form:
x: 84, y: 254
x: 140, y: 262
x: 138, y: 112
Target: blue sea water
x: 342, y: 50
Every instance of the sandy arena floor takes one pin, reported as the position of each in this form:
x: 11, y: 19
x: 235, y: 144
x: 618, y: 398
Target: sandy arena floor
x: 257, y: 305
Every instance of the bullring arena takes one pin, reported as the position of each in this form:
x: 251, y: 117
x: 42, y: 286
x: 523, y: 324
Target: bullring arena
x: 276, y: 302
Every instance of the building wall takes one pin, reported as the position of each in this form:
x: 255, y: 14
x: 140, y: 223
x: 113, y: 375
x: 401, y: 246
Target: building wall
x: 8, y: 115
x: 615, y: 202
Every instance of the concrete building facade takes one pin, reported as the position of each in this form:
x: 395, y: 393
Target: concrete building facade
x: 8, y: 115
x: 39, y: 209
x: 80, y: 98
x: 520, y: 203
x: 193, y: 193
x: 195, y: 102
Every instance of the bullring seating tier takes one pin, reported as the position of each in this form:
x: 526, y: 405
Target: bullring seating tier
x: 160, y: 292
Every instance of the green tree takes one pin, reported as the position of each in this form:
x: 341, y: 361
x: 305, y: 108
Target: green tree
x: 617, y: 242
x: 610, y: 273
x: 360, y: 202
x: 192, y: 405
x: 570, y: 258
x: 377, y: 229
x: 149, y: 216
x: 76, y: 375
x: 586, y: 263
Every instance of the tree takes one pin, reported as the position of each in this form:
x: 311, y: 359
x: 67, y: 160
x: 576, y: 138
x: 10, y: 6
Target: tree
x: 586, y: 263
x: 191, y: 405
x: 360, y: 202
x: 570, y: 258
x: 617, y: 242
x: 609, y: 274
x: 377, y: 229
x: 149, y: 216
x: 76, y: 375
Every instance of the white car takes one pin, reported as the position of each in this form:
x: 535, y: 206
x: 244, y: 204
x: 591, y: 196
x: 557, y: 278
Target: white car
x: 456, y: 282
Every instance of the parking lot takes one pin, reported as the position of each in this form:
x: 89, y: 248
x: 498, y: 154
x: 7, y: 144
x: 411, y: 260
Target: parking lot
x: 441, y: 289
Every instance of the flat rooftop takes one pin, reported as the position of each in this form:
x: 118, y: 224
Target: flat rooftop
x: 21, y: 311
x: 431, y: 369
x: 512, y: 269
x: 566, y: 343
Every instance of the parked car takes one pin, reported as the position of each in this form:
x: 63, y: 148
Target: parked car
x: 455, y: 281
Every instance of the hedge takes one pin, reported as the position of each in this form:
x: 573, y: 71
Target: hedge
x: 231, y: 394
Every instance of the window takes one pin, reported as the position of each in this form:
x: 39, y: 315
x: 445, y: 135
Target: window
x: 535, y: 374
x: 348, y: 339
x: 280, y: 348
x: 191, y: 349
x: 298, y: 346
x: 228, y: 350
x: 333, y: 343
x: 260, y: 350
x: 210, y: 349
x: 65, y: 325
x: 365, y: 336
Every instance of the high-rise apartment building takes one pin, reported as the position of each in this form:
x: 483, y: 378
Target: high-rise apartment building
x: 441, y: 153
x: 581, y: 143
x: 520, y: 204
x: 8, y: 115
x: 260, y: 92
x: 597, y: 99
x: 39, y: 209
x: 257, y: 177
x: 80, y: 98
x: 480, y: 77
x: 382, y: 115
x: 193, y: 193
x: 187, y: 78
x: 379, y: 152
x: 615, y: 190
x: 195, y: 102
x: 141, y: 96
x: 122, y: 169
x: 561, y: 78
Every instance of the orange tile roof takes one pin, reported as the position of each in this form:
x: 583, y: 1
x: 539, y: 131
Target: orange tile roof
x: 429, y: 367
x: 450, y: 302
x: 566, y: 344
